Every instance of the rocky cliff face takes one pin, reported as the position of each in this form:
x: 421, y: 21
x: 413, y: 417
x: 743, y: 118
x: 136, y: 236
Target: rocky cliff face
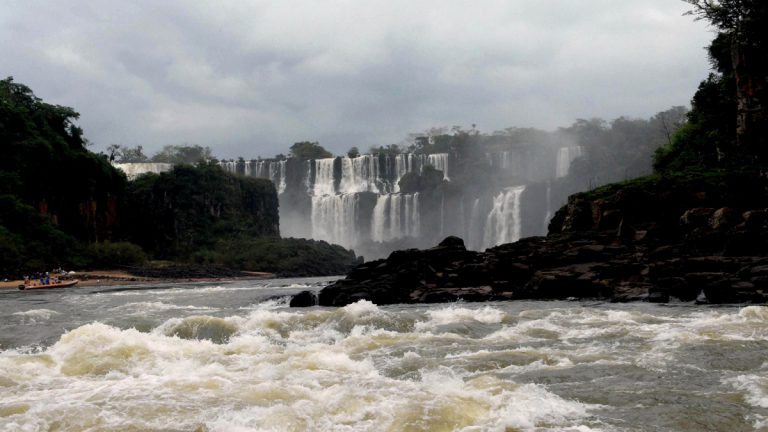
x: 688, y: 239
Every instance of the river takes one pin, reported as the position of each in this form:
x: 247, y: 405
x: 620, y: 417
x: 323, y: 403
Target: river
x: 233, y: 357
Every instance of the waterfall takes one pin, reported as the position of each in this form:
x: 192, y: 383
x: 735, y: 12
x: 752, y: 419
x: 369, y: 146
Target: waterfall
x: 474, y: 235
x: 334, y: 219
x: 277, y: 174
x: 360, y: 174
x: 308, y: 176
x: 440, y: 162
x: 356, y: 201
x: 500, y: 161
x: 323, y: 184
x: 379, y: 218
x: 404, y: 163
x: 548, y: 215
x: 133, y: 170
x: 395, y: 216
x: 565, y: 156
x: 273, y: 170
x: 229, y: 166
x: 503, y: 224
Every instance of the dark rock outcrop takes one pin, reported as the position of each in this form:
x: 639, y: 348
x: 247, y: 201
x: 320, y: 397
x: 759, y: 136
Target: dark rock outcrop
x: 627, y: 245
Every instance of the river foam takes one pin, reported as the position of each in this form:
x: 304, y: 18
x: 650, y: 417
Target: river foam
x: 268, y: 370
x: 259, y: 365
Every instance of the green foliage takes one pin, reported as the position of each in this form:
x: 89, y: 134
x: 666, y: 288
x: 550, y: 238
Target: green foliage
x: 309, y: 150
x: 183, y: 154
x: 286, y: 257
x: 708, y: 139
x: 681, y: 152
x: 353, y: 152
x: 173, y: 214
x: 120, y: 154
x: 56, y: 193
x: 732, y: 15
x: 109, y: 254
x: 429, y: 179
x: 391, y: 149
x: 30, y: 242
x: 459, y: 141
x: 738, y: 55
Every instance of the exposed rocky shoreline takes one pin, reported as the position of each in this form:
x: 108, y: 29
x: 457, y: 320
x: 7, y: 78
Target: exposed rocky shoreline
x: 659, y: 244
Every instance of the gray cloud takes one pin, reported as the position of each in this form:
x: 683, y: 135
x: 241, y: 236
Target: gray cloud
x: 251, y: 77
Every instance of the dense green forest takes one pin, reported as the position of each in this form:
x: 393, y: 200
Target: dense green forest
x: 62, y: 205
x: 55, y: 195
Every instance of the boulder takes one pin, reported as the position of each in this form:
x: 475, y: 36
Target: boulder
x: 696, y: 218
x: 304, y: 299
x: 724, y: 218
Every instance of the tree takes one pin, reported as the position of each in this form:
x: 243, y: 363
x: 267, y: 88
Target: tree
x: 391, y: 149
x: 353, y: 152
x: 309, y: 150
x: 742, y: 24
x: 120, y: 154
x: 54, y: 193
x: 669, y: 121
x: 183, y: 154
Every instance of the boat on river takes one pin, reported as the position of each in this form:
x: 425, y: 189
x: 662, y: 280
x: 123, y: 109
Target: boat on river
x: 63, y: 284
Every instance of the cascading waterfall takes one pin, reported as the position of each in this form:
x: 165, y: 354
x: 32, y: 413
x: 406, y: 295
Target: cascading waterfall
x: 229, y: 166
x: 503, y: 224
x: 276, y: 173
x: 565, y: 156
x: 410, y: 162
x: 395, y: 216
x: 474, y: 233
x: 440, y: 162
x: 133, y: 170
x: 548, y: 215
x: 403, y: 165
x: 338, y: 210
x: 324, y: 182
x: 334, y: 219
x: 274, y: 170
x: 360, y: 174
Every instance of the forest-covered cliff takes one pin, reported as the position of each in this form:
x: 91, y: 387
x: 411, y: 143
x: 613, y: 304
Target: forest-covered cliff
x: 62, y: 205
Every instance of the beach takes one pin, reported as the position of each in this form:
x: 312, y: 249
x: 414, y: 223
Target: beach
x: 116, y: 277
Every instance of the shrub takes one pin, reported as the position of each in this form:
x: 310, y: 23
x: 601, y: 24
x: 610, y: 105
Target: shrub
x: 116, y: 254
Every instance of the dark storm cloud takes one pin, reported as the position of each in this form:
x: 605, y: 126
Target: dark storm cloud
x: 252, y: 77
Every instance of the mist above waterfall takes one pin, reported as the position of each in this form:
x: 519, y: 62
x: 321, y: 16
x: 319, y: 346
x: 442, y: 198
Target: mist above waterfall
x: 488, y: 189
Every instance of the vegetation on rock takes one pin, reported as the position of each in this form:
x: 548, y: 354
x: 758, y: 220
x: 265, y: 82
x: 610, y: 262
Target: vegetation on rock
x: 64, y: 206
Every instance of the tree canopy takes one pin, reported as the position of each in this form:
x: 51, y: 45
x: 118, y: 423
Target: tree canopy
x: 53, y: 191
x: 183, y: 154
x: 740, y: 53
x: 309, y: 150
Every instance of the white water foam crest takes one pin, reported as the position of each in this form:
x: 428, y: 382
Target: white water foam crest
x: 277, y: 371
x: 755, y: 388
x: 158, y: 306
x: 454, y: 314
x: 754, y: 313
x: 35, y: 315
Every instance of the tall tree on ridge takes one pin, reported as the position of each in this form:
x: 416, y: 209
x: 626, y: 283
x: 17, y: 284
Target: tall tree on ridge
x: 743, y: 23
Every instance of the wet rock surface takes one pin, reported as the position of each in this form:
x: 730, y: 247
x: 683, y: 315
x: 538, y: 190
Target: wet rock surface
x: 706, y: 255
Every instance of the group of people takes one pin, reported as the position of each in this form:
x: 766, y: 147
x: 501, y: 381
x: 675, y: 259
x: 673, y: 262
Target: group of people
x: 41, y: 279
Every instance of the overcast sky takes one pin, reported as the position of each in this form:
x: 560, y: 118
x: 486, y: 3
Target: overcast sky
x: 250, y: 77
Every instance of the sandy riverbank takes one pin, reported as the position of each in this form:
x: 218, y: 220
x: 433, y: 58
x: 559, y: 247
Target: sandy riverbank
x: 113, y: 277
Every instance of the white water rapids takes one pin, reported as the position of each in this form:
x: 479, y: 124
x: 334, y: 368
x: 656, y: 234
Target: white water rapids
x: 229, y: 358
